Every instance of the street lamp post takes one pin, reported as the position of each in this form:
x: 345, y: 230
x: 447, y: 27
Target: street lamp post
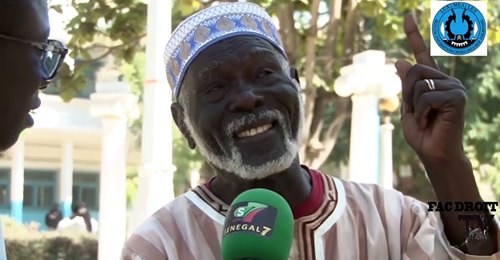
x: 387, y: 106
x: 155, y: 182
x: 366, y: 81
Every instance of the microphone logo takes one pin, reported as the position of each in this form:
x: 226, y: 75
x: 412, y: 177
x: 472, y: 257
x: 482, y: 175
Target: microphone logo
x: 250, y: 217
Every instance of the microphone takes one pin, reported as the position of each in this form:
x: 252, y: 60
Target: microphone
x: 258, y: 226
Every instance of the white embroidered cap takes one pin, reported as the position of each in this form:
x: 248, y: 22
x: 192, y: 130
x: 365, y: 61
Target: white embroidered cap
x: 210, y: 26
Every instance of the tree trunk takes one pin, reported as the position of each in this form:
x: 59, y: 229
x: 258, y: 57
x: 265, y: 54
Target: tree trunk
x: 309, y: 89
x: 350, y: 30
x: 288, y: 32
x: 321, y: 138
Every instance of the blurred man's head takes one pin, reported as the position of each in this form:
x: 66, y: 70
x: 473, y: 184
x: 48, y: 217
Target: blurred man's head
x: 28, y: 62
x: 238, y: 100
x: 80, y: 209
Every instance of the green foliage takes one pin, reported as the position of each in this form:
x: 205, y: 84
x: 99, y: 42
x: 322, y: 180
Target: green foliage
x: 23, y: 243
x: 51, y: 246
x: 100, y: 28
x: 133, y: 73
x: 131, y: 188
x: 186, y: 161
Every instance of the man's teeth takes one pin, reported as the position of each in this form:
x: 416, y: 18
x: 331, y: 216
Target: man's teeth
x: 254, y: 131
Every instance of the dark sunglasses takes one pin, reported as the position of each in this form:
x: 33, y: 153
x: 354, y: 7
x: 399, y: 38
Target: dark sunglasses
x: 53, y: 53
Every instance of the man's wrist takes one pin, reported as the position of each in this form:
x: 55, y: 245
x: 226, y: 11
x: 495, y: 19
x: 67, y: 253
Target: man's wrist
x: 455, y: 160
x: 452, y: 178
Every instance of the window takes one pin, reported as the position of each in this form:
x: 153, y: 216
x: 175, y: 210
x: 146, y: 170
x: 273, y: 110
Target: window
x: 4, y: 195
x: 39, y: 189
x: 29, y: 196
x: 89, y: 195
x: 45, y: 196
x: 4, y: 187
x: 85, y: 189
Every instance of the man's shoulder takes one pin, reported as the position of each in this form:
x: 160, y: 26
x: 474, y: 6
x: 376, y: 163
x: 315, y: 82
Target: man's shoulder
x: 167, y: 211
x: 153, y: 231
x: 176, y: 213
x: 368, y: 193
x: 171, y: 228
x: 357, y: 187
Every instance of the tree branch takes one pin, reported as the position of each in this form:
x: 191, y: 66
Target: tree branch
x: 332, y: 33
x: 133, y: 40
x: 329, y: 139
x: 341, y: 112
x: 288, y: 31
x: 309, y: 90
x: 323, y: 98
x: 311, y: 45
x: 110, y: 49
x: 350, y: 29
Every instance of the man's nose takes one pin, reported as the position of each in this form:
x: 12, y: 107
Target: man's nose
x: 246, y: 100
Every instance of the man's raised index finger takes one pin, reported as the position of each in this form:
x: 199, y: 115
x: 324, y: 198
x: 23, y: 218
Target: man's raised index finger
x: 417, y: 43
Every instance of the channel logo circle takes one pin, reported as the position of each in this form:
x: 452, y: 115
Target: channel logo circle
x: 459, y: 28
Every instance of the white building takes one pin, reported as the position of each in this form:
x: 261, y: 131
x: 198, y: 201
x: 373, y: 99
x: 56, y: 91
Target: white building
x: 56, y: 161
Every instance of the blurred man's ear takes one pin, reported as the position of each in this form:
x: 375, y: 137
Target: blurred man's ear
x: 178, y: 115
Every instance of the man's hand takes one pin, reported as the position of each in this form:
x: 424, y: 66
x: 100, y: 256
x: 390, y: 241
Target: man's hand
x: 433, y: 122
x: 432, y: 119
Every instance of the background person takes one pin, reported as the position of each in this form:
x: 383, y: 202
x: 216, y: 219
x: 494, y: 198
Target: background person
x: 80, y: 221
x: 53, y: 217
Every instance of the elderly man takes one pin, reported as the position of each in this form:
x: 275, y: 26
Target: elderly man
x: 239, y: 103
x: 28, y: 62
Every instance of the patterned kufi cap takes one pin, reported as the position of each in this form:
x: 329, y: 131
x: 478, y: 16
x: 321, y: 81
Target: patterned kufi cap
x: 210, y: 26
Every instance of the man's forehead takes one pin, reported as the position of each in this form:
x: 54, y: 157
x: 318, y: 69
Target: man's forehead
x: 211, y: 26
x: 24, y: 18
x: 34, y: 7
x: 235, y: 49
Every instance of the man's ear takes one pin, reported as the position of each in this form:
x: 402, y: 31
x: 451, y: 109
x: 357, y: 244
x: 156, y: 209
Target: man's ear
x: 178, y: 115
x: 294, y: 74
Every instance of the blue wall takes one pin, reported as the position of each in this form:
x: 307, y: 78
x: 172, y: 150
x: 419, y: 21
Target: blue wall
x: 40, y: 193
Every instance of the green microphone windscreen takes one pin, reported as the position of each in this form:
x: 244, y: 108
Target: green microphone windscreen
x: 258, y: 226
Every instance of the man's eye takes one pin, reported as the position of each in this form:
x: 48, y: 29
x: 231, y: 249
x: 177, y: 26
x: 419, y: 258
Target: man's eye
x: 214, y: 88
x: 264, y: 73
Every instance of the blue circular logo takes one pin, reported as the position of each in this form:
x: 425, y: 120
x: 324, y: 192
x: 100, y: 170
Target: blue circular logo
x: 459, y: 28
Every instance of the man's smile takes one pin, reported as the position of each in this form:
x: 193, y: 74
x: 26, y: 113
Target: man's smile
x: 255, y: 130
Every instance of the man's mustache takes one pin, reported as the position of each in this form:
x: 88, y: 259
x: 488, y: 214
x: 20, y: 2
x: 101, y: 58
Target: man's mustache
x: 240, y: 123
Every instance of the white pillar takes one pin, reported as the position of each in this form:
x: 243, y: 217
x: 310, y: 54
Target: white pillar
x: 111, y: 103
x: 155, y: 183
x: 364, y: 146
x: 3, y: 253
x: 386, y: 154
x: 66, y: 178
x: 17, y: 181
x: 366, y: 80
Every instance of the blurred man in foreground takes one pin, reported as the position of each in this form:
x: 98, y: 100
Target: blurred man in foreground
x: 28, y: 62
x: 239, y: 103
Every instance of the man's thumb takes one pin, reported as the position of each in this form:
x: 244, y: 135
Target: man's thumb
x: 402, y: 67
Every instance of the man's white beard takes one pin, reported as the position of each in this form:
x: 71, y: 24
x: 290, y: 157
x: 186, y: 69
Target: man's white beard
x: 235, y: 164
